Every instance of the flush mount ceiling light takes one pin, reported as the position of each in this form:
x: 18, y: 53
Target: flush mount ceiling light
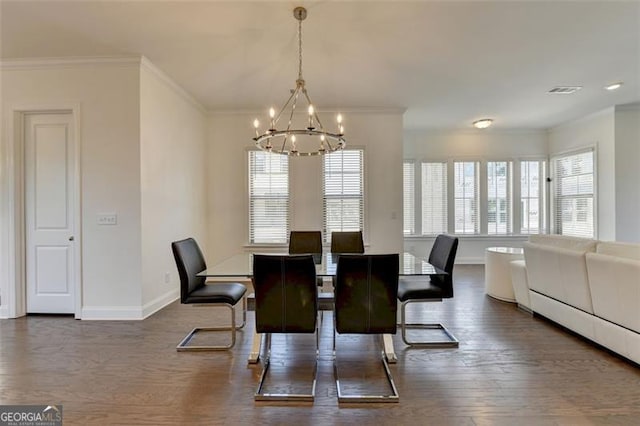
x: 483, y: 123
x: 304, y: 134
x: 614, y: 86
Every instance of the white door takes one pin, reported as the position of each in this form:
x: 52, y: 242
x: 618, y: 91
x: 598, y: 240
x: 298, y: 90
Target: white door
x: 49, y: 222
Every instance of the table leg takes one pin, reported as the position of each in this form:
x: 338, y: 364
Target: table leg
x: 389, y: 352
x: 254, y: 355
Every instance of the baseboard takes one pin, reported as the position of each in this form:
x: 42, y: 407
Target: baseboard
x: 128, y: 313
x: 112, y: 313
x: 160, y: 302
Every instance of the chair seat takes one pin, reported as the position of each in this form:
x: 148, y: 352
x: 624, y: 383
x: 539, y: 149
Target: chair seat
x: 229, y: 293
x: 412, y: 288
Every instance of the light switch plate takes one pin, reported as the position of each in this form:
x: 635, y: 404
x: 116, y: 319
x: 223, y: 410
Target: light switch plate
x: 107, y: 219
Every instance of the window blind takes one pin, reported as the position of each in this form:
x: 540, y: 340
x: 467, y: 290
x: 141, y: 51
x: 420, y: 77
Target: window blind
x: 409, y: 196
x: 532, y: 196
x: 268, y: 197
x: 499, y: 196
x: 343, y: 191
x: 573, y: 190
x: 434, y: 198
x: 466, y: 197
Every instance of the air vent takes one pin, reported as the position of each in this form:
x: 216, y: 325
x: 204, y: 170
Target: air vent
x: 564, y: 90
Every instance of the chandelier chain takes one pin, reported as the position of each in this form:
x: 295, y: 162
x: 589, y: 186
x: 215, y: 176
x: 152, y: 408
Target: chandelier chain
x: 299, y: 50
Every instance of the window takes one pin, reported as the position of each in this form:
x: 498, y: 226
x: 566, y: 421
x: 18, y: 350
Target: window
x: 573, y: 190
x: 466, y: 197
x: 499, y: 217
x: 343, y: 191
x: 409, y: 197
x: 532, y: 217
x: 434, y: 198
x: 268, y: 197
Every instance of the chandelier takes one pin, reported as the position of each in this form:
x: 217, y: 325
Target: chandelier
x: 304, y: 134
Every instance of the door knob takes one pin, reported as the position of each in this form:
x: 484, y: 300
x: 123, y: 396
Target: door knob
x: 71, y: 238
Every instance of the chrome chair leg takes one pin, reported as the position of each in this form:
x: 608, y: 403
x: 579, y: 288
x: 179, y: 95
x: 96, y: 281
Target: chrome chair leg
x: 357, y: 398
x: 260, y: 395
x: 184, y: 346
x: 451, y: 342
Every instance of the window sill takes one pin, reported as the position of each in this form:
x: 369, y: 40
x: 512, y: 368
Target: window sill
x: 472, y: 237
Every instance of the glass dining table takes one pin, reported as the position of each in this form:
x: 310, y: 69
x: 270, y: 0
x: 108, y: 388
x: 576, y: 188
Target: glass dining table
x: 241, y: 265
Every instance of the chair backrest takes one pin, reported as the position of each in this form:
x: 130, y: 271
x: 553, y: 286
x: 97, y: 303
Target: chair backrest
x: 365, y: 293
x: 286, y: 293
x: 347, y: 242
x: 443, y: 256
x: 190, y: 261
x: 305, y: 242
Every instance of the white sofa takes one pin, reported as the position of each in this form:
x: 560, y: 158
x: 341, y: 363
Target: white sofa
x: 589, y: 287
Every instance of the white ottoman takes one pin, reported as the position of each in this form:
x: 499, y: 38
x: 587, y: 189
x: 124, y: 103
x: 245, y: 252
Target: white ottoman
x: 519, y: 282
x: 497, y: 272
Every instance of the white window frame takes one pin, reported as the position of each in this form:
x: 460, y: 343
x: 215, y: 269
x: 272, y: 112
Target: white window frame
x: 409, y: 171
x: 514, y: 182
x: 325, y: 230
x: 285, y: 232
x: 484, y: 197
x: 478, y: 198
x: 553, y: 196
x: 543, y: 195
x: 447, y: 198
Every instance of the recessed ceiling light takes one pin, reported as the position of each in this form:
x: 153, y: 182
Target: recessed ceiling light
x: 614, y: 86
x: 483, y: 123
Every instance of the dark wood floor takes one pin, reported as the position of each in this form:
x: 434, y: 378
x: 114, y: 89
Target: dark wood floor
x: 510, y: 369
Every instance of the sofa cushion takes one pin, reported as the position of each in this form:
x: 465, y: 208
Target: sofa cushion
x: 615, y: 288
x: 559, y: 273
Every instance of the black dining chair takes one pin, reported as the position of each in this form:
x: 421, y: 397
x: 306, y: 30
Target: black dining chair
x: 307, y: 242
x: 347, y: 242
x: 286, y: 301
x: 194, y: 291
x: 433, y: 289
x: 365, y: 303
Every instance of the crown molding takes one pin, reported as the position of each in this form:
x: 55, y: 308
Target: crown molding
x: 46, y: 63
x: 329, y: 110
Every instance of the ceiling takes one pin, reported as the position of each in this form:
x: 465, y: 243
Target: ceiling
x: 447, y: 63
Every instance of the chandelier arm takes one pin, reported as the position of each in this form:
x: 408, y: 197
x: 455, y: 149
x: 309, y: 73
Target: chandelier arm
x: 293, y: 107
x: 286, y: 104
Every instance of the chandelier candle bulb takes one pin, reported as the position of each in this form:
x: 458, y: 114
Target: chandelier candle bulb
x: 272, y: 114
x: 311, y: 117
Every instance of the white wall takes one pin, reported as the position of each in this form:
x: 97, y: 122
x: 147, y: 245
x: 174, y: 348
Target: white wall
x: 379, y: 133
x: 108, y: 96
x: 595, y: 130
x: 442, y: 144
x: 173, y: 181
x: 627, y: 173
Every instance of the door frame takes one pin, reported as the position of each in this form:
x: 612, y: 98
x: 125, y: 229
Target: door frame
x: 13, y: 288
